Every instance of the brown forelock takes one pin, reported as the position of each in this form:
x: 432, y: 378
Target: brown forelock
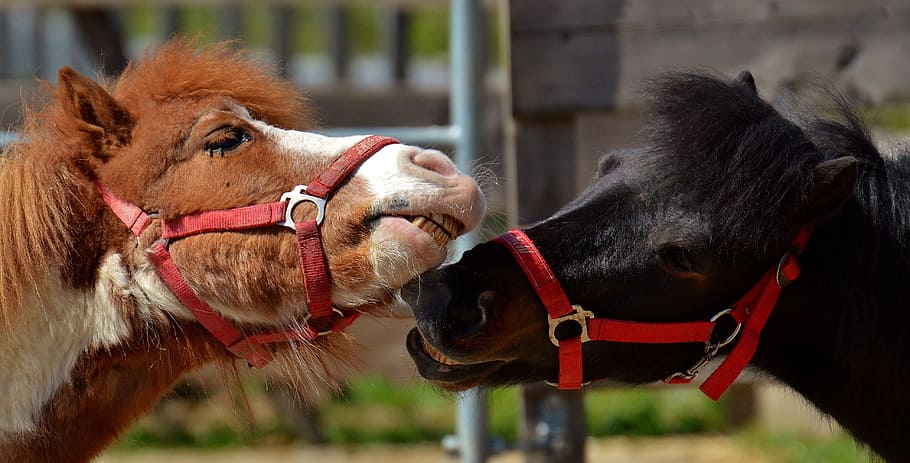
x: 179, y: 70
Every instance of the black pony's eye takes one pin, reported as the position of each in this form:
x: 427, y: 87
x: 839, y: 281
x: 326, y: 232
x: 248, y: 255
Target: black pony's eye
x: 228, y: 139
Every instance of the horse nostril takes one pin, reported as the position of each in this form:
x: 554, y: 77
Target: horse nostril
x: 465, y: 321
x: 469, y: 317
x: 446, y: 307
x: 436, y: 162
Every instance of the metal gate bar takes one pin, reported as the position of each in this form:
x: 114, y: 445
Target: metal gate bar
x: 467, y: 61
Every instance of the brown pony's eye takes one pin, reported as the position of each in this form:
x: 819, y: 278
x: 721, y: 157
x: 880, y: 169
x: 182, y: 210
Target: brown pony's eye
x: 224, y: 140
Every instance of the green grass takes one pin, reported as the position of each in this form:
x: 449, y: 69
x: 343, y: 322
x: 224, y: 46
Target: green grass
x: 644, y: 412
x: 308, y: 35
x: 427, y: 30
x: 788, y: 448
x: 373, y: 410
x: 894, y: 117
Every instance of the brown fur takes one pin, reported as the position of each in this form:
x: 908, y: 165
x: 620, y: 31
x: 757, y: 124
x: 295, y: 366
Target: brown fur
x: 134, y: 139
x: 107, y: 394
x: 38, y: 232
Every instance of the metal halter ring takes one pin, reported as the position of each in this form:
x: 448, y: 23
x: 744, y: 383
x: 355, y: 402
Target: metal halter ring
x: 779, y: 277
x: 296, y: 196
x: 711, y: 349
x: 732, y: 336
x: 580, y: 316
x: 338, y: 312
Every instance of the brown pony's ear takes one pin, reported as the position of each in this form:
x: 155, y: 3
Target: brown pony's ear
x: 97, y: 113
x: 833, y: 185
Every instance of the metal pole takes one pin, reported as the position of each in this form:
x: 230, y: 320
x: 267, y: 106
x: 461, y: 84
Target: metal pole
x: 282, y: 42
x: 339, y: 44
x: 5, y: 68
x: 467, y: 65
x: 398, y: 47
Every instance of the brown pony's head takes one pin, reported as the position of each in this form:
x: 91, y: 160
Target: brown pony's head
x: 184, y: 131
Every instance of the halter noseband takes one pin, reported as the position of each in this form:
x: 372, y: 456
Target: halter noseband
x: 749, y: 313
x: 309, y: 249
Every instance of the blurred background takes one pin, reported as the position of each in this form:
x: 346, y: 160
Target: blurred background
x: 557, y: 88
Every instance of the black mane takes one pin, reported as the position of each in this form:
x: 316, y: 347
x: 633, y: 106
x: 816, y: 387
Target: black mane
x: 733, y: 149
x: 865, y: 252
x: 746, y: 163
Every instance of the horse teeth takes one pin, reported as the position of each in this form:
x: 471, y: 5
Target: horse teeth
x: 438, y: 218
x: 430, y: 227
x: 439, y: 356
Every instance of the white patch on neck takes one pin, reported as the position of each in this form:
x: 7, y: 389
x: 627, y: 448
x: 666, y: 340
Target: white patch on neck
x: 50, y: 331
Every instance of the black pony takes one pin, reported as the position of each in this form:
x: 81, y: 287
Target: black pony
x: 681, y: 228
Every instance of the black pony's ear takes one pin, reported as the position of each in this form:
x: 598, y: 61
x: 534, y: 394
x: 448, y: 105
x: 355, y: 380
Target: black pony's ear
x: 98, y: 115
x: 832, y: 186
x: 745, y: 78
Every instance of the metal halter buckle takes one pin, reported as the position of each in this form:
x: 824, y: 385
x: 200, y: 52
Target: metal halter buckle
x: 711, y: 349
x: 580, y: 316
x: 556, y: 383
x: 296, y: 196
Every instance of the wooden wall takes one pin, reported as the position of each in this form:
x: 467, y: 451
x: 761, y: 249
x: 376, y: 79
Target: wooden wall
x: 575, y: 55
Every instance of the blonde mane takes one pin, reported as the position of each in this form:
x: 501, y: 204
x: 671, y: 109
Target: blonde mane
x: 45, y: 179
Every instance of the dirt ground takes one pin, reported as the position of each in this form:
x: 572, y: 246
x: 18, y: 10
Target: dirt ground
x: 717, y: 449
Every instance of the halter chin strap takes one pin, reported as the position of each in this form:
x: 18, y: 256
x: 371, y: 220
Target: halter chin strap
x: 309, y: 249
x: 749, y: 315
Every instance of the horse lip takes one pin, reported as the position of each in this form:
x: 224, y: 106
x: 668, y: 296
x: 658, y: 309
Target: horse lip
x: 464, y: 213
x: 450, y: 376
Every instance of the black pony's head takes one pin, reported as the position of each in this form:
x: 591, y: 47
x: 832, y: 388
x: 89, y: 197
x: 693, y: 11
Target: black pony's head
x: 674, y: 230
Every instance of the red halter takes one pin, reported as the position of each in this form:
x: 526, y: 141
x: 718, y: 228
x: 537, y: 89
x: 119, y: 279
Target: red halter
x: 750, y: 314
x: 309, y: 249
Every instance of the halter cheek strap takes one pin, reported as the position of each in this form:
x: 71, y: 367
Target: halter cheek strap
x: 749, y: 313
x: 310, y: 251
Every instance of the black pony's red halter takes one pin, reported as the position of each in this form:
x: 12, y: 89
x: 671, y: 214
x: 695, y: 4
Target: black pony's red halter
x: 309, y: 249
x: 749, y: 314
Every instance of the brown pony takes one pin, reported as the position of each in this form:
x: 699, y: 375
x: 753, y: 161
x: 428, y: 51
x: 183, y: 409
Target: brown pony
x: 90, y: 336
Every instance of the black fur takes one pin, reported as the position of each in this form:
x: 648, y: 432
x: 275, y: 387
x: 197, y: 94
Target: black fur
x: 683, y: 226
x: 841, y: 336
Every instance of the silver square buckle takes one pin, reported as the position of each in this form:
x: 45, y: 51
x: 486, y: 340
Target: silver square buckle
x: 294, y: 198
x: 580, y: 316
